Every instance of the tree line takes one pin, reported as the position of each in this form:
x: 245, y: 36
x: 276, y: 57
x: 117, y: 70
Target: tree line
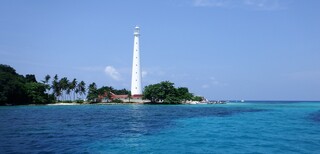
x: 17, y: 89
x: 165, y: 92
x: 103, y: 92
x: 64, y: 89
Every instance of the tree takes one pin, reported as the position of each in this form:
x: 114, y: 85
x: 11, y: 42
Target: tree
x: 31, y: 78
x: 197, y: 98
x: 12, y: 89
x: 36, y: 93
x: 47, y: 78
x: 81, y: 88
x: 46, y: 82
x: 184, y: 94
x: 166, y: 92
x: 92, y: 92
x: 151, y: 92
x: 63, y: 83
x: 56, y: 87
x: 72, y: 86
x: 18, y: 90
x: 68, y: 91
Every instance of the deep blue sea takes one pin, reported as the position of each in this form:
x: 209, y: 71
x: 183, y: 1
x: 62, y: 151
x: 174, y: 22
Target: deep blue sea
x: 249, y: 127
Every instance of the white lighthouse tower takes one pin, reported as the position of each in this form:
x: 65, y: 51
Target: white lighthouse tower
x: 136, y: 89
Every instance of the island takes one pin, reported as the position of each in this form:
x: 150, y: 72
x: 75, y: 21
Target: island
x: 17, y: 89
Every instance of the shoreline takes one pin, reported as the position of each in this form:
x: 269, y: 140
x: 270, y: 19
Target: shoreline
x: 125, y: 103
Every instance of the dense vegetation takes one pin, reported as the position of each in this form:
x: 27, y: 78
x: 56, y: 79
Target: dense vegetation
x: 165, y: 92
x: 94, y: 92
x: 65, y: 90
x: 16, y: 89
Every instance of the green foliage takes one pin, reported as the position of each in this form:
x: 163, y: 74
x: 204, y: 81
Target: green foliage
x: 36, y: 92
x: 73, y: 86
x: 197, y: 98
x: 12, y: 88
x: 79, y: 101
x: 8, y: 69
x: 56, y: 86
x: 117, y: 101
x: 81, y: 88
x: 120, y: 92
x: 105, y: 91
x: 166, y: 92
x: 184, y: 94
x: 92, y: 93
x: 18, y: 90
x: 31, y: 78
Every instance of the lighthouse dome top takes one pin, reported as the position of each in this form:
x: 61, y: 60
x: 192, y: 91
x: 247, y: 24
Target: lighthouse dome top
x: 137, y: 30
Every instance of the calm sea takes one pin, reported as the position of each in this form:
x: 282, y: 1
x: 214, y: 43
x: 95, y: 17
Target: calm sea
x: 249, y: 127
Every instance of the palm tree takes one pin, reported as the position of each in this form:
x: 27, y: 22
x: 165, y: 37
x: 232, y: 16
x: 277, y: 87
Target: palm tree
x: 81, y: 88
x: 77, y: 91
x: 56, y: 87
x: 92, y: 92
x: 64, y: 85
x: 47, y: 78
x: 69, y: 90
x: 72, y: 87
x: 46, y: 82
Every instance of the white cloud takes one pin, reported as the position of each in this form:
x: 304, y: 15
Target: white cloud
x: 112, y: 72
x: 263, y: 4
x: 210, y: 3
x: 242, y: 4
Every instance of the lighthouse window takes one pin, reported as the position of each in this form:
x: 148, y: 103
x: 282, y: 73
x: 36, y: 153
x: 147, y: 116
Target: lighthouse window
x: 136, y: 88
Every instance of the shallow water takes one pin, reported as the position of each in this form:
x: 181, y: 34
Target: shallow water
x: 254, y: 127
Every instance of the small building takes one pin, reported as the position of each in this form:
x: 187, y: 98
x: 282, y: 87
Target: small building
x: 110, y: 96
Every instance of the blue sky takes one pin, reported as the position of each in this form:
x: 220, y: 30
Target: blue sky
x: 221, y: 49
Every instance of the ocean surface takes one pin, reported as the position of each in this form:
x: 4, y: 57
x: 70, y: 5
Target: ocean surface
x: 248, y: 127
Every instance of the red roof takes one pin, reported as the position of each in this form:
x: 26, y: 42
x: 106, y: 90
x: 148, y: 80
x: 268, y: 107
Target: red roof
x: 114, y: 96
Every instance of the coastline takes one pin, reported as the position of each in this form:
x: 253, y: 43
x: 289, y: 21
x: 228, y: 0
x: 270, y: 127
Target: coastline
x: 124, y: 103
x: 87, y: 103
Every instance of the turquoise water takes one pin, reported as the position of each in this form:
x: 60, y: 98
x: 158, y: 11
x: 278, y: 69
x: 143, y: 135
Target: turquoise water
x: 251, y: 127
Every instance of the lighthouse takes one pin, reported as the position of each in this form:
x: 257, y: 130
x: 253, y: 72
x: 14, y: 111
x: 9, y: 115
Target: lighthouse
x: 136, y: 89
